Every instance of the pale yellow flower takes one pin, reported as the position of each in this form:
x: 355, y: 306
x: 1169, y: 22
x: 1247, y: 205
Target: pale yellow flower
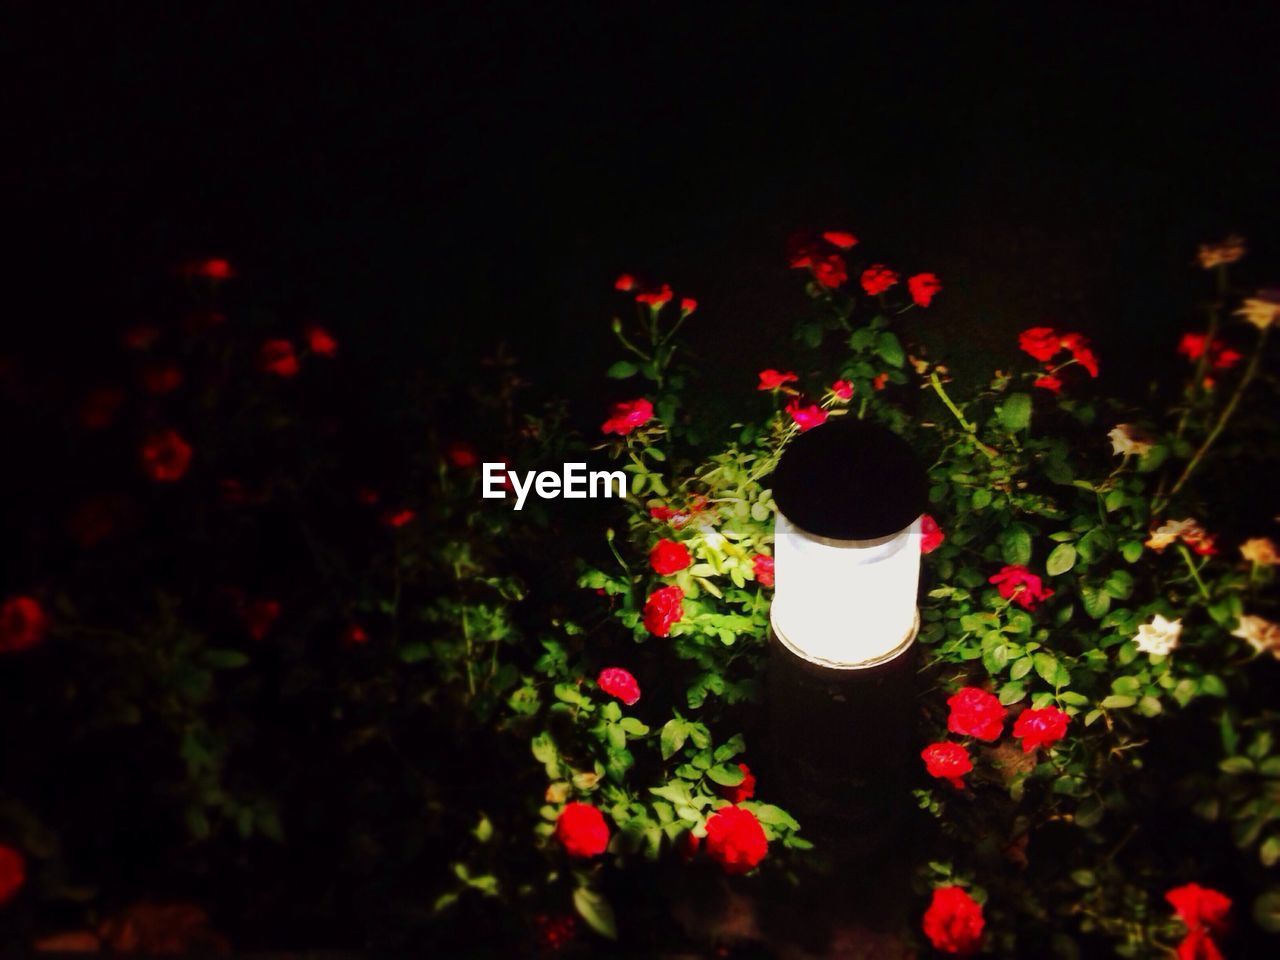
x: 1160, y: 636
x: 1229, y: 250
x: 1261, y: 313
x: 1171, y: 530
x: 1259, y: 633
x: 1126, y: 440
x: 1260, y: 550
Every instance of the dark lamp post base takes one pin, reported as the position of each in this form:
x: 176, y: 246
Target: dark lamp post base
x: 841, y: 743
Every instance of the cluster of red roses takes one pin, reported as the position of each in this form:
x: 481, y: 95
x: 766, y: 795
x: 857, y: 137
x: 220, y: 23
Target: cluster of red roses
x: 1046, y: 343
x: 974, y: 712
x: 829, y: 269
x: 655, y: 298
x: 734, y: 837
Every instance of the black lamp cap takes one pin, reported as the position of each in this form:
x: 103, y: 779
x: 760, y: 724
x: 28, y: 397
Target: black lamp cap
x: 850, y: 480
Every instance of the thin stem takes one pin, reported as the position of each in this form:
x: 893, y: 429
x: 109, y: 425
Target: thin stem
x: 936, y: 383
x: 1250, y: 372
x: 1195, y: 571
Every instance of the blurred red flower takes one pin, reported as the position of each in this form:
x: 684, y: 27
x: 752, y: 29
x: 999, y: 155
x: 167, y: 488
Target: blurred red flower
x: 947, y: 761
x: 1040, y: 728
x: 976, y: 713
x: 259, y: 616
x: 806, y: 417
x: 775, y: 379
x: 763, y: 568
x: 461, y: 455
x: 619, y: 683
x: 923, y: 288
x: 830, y: 271
x: 625, y: 417
x: 840, y: 238
x: 663, y: 609
x: 931, y: 535
x: 13, y: 872
x: 843, y: 389
x: 321, y: 342
x: 22, y: 624
x: 625, y: 282
x: 741, y: 791
x: 878, y: 278
x: 395, y: 519
x: 735, y: 839
x: 165, y: 456
x: 688, y: 305
x: 582, y: 831
x: 668, y: 557
x: 1049, y: 382
x: 953, y: 922
x: 655, y: 298
x: 211, y: 268
x: 277, y: 357
x: 1015, y: 582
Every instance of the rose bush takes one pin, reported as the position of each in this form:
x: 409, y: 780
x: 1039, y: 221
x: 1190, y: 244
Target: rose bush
x: 1098, y: 632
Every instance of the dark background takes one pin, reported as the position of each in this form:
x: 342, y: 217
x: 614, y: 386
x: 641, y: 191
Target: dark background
x: 429, y: 181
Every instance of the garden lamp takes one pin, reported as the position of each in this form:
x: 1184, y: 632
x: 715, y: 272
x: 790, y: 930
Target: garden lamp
x: 849, y: 497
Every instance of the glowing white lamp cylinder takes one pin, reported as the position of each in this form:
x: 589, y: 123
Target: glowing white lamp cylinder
x: 847, y: 545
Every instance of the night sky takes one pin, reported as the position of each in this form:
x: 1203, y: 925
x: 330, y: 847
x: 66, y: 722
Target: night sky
x: 433, y: 181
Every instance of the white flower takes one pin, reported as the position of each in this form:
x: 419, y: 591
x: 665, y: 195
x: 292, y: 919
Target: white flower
x: 1160, y: 636
x: 1259, y: 633
x: 1261, y: 313
x: 1126, y: 440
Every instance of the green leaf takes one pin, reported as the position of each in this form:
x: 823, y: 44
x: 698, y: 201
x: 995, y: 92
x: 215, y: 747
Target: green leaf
x: 596, y: 911
x: 1015, y: 414
x: 221, y: 659
x: 995, y: 658
x: 674, y: 733
x: 1150, y: 707
x: 1119, y: 584
x: 1012, y: 692
x: 621, y: 370
x: 726, y: 775
x: 1046, y: 665
x: 1236, y: 766
x: 1020, y: 668
x: 1118, y: 702
x: 1096, y: 603
x: 1266, y: 911
x: 1131, y: 550
x: 890, y: 348
x: 1062, y: 559
x: 1015, y: 545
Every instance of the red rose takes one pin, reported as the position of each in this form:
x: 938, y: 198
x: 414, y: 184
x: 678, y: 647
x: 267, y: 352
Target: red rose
x: 625, y: 417
x: 395, y: 519
x: 140, y: 337
x: 655, y: 298
x: 582, y: 831
x: 1078, y: 344
x: 99, y: 408
x: 259, y: 617
x: 806, y: 417
x: 1049, y: 382
x: 619, y: 683
x: 976, y: 713
x: 763, y: 567
x: 953, y: 923
x: 663, y: 609
x: 22, y: 624
x: 744, y: 790
x: 212, y: 268
x: 13, y: 872
x: 878, y: 278
x: 668, y: 557
x: 277, y: 357
x: 923, y: 287
x: 775, y: 379
x: 879, y: 381
x: 625, y: 282
x: 931, y: 535
x: 1226, y: 358
x: 687, y: 306
x: 735, y: 839
x: 461, y: 455
x: 843, y: 389
x: 1192, y: 345
x: 1015, y: 582
x: 1043, y: 343
x: 1199, y: 906
x: 555, y: 933
x: 321, y: 342
x: 165, y: 456
x: 161, y: 378
x: 830, y: 270
x: 947, y: 761
x: 839, y: 238
x: 1040, y: 728
x: 1198, y: 945
x: 354, y: 636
